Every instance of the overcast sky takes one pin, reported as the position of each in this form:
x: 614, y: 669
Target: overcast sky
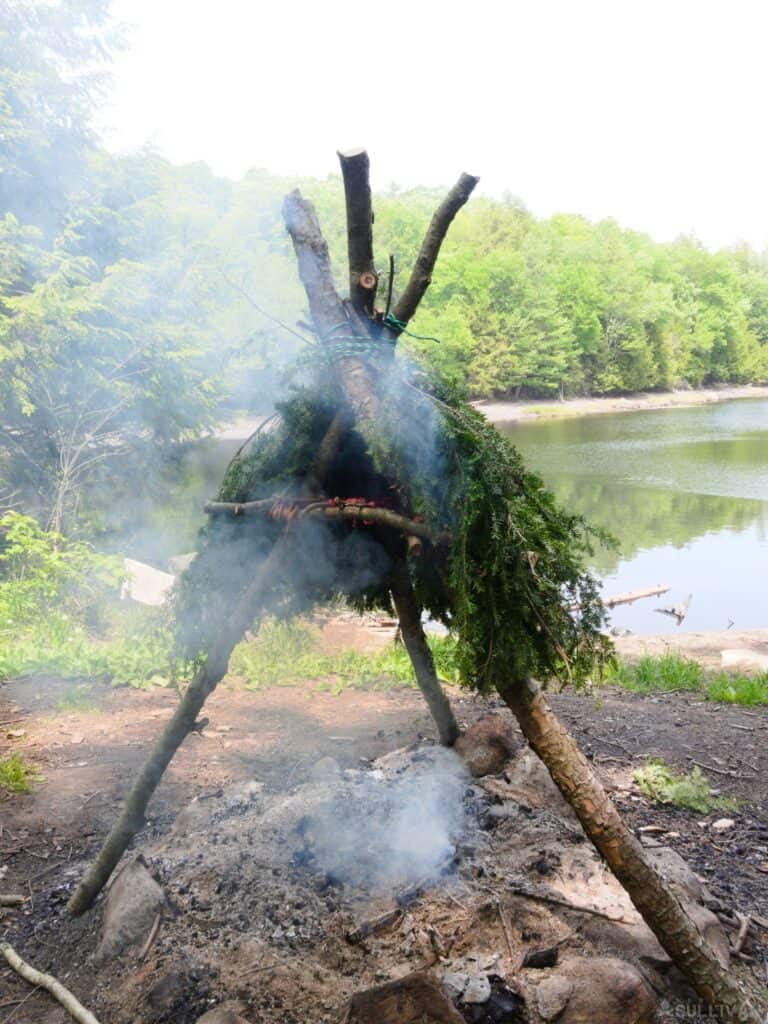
x: 650, y: 112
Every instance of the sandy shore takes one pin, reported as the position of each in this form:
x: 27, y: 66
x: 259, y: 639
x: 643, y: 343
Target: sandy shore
x: 745, y: 649
x: 511, y: 412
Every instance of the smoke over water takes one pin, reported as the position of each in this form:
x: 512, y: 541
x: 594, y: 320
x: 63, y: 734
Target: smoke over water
x: 394, y: 825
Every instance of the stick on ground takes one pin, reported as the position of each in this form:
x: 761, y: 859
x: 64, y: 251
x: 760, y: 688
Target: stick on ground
x: 62, y: 995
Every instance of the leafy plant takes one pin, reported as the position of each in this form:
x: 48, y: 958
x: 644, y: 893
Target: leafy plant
x: 17, y: 775
x: 691, y: 791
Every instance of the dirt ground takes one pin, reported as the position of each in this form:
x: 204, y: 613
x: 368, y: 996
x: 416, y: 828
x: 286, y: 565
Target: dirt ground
x: 89, y: 744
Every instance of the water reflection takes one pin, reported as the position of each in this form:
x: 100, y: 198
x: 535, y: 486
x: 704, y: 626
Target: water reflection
x: 685, y: 491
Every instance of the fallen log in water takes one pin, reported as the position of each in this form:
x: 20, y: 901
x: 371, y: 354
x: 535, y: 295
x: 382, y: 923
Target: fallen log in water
x: 636, y: 595
x: 630, y: 597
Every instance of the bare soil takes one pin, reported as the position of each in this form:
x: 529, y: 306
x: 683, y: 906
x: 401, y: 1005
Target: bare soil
x: 88, y: 758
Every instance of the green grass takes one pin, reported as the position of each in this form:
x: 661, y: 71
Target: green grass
x: 134, y: 650
x: 738, y: 689
x: 692, y: 791
x: 668, y: 672
x: 288, y: 653
x: 16, y: 775
x: 656, y: 674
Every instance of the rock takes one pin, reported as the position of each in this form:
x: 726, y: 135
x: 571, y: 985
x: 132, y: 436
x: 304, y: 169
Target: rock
x: 552, y: 996
x: 744, y: 657
x: 607, y: 990
x: 710, y: 927
x: 722, y: 824
x: 180, y: 563
x: 530, y: 783
x: 326, y: 769
x: 145, y: 584
x: 227, y: 1013
x: 487, y: 745
x: 477, y: 990
x: 418, y: 998
x: 679, y: 874
x: 168, y: 992
x: 130, y: 909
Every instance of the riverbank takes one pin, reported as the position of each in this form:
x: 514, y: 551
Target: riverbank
x: 511, y: 412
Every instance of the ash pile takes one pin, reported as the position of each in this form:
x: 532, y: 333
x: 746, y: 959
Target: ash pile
x: 426, y: 886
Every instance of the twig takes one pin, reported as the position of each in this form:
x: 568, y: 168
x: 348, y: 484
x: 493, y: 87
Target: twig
x: 720, y: 771
x: 505, y: 926
x: 531, y: 893
x: 17, y: 1004
x: 12, y: 900
x: 151, y: 937
x: 51, y: 867
x: 75, y: 1009
x: 744, y: 923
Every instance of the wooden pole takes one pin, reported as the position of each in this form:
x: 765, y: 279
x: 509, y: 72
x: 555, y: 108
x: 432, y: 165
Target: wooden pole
x: 409, y: 614
x: 363, y: 279
x: 649, y: 892
x: 207, y: 677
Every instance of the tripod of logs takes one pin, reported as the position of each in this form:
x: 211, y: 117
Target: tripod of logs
x: 360, y: 382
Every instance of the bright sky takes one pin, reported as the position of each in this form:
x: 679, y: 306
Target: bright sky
x: 650, y: 112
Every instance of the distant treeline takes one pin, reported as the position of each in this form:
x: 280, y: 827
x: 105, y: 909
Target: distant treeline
x: 136, y: 298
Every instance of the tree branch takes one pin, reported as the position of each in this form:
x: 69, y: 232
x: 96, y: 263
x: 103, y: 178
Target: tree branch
x: 277, y: 508
x: 314, y: 262
x: 421, y: 275
x: 363, y: 279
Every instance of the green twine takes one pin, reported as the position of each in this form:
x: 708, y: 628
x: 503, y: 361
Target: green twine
x: 401, y: 326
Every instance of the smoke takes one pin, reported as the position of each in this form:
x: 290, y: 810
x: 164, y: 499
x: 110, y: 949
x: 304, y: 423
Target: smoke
x: 393, y: 826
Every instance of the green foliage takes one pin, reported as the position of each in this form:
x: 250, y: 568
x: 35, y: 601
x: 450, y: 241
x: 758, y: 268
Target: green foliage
x: 656, y: 674
x: 691, y: 791
x: 41, y: 569
x: 59, y: 613
x: 16, y: 775
x: 750, y: 691
x: 286, y: 653
x: 137, y: 299
x: 503, y: 587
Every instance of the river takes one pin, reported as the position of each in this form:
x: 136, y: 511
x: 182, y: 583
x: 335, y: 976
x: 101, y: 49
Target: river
x: 685, y: 493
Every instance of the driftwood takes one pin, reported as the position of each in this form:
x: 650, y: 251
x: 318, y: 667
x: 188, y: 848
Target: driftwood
x: 74, y: 1008
x: 635, y: 595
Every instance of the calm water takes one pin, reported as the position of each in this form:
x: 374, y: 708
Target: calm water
x: 685, y: 492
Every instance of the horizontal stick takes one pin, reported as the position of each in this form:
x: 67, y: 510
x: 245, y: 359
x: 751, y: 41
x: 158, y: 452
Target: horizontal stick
x: 373, y: 514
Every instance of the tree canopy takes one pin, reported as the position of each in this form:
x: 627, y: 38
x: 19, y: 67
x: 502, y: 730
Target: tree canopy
x: 140, y: 302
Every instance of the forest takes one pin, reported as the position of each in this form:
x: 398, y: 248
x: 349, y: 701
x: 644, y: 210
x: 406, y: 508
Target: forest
x: 141, y: 303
